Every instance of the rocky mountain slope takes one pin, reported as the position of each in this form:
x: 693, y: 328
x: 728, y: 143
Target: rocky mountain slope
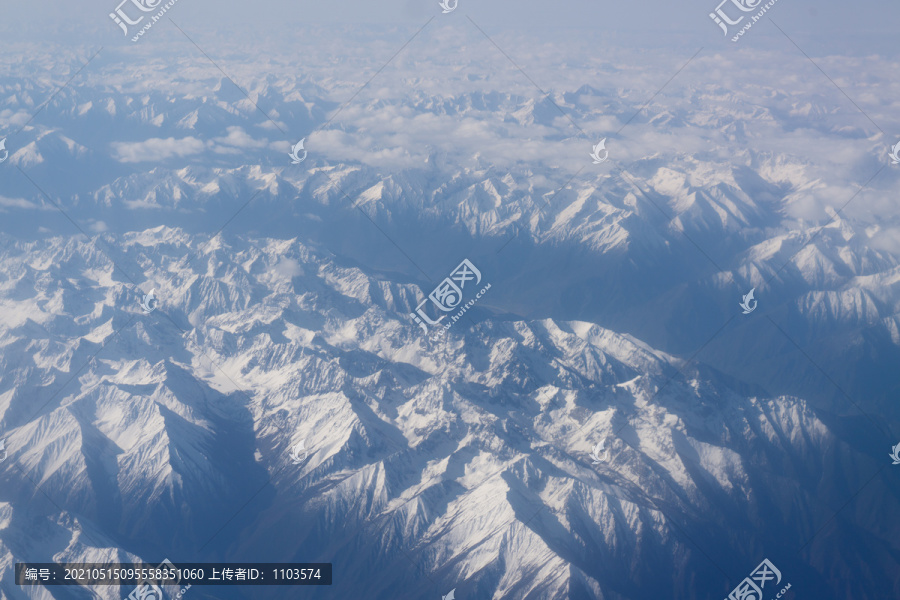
x: 461, y: 463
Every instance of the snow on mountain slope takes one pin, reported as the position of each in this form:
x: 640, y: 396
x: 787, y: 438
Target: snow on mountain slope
x: 669, y: 234
x: 432, y: 465
x: 464, y: 463
x: 741, y: 160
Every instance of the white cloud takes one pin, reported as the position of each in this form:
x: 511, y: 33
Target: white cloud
x: 235, y: 141
x: 19, y: 203
x: 157, y: 149
x: 238, y: 138
x: 289, y: 267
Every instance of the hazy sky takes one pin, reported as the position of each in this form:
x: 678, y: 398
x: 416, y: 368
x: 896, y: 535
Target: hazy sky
x: 824, y: 21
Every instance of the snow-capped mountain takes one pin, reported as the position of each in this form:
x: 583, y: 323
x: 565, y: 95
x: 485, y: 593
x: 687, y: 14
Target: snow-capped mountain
x: 694, y: 208
x: 603, y: 423
x: 459, y: 463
